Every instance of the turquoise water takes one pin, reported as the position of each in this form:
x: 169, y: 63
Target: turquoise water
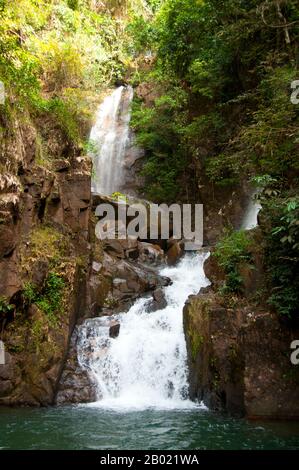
x: 84, y: 427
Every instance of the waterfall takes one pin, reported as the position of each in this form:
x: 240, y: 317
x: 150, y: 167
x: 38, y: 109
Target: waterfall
x: 250, y: 219
x: 145, y: 366
x: 109, y: 138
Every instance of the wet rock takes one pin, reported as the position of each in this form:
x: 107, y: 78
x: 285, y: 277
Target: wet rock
x: 6, y: 386
x: 114, y: 329
x: 34, y: 198
x: 8, y: 372
x: 159, y: 296
x: 159, y: 301
x: 175, y: 252
x: 138, y: 278
x: 75, y: 385
x: 150, y: 253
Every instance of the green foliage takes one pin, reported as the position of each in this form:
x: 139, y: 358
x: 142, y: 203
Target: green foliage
x: 49, y: 299
x: 73, y: 4
x: 29, y: 292
x: 143, y: 35
x: 233, y: 248
x: 117, y: 196
x: 235, y: 122
x: 158, y: 132
x: 231, y: 251
x: 236, y: 72
x: 289, y: 228
x: 196, y: 342
x: 5, y: 308
x: 54, y: 57
x: 282, y: 254
x: 271, y: 139
x: 223, y: 170
x: 65, y: 117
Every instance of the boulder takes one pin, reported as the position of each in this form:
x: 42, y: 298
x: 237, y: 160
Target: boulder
x: 122, y: 248
x: 115, y: 248
x: 159, y: 301
x: 150, y: 253
x: 174, y: 253
x: 114, y: 329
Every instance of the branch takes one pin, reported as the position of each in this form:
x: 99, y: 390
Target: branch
x: 266, y: 7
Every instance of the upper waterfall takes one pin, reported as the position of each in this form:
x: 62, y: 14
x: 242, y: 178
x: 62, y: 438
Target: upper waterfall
x: 109, y: 139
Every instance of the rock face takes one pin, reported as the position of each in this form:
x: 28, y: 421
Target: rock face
x: 44, y: 231
x: 239, y: 359
x: 75, y: 385
x: 238, y: 350
x: 117, y: 282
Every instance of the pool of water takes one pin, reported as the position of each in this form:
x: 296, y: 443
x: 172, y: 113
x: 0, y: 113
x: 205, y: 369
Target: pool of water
x: 88, y: 427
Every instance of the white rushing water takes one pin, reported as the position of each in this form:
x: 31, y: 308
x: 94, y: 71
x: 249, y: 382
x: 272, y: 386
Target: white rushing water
x: 250, y: 219
x: 145, y: 366
x: 109, y: 138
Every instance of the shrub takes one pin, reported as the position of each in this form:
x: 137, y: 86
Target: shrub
x: 6, y: 309
x: 49, y: 298
x: 282, y: 254
x: 230, y: 252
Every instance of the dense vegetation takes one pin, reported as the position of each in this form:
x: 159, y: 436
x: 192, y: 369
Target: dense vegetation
x: 231, y: 251
x: 218, y: 111
x: 56, y: 57
x: 223, y: 72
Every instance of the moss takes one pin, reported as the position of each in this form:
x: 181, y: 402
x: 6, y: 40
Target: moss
x: 5, y: 306
x: 49, y: 299
x: 196, y: 341
x: 37, y: 334
x: 198, y: 310
x: 44, y: 243
x: 41, y: 156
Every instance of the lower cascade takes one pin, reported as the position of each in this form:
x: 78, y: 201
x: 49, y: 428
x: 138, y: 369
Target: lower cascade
x: 145, y: 366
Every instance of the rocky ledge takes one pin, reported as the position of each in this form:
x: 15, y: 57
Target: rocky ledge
x: 239, y: 351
